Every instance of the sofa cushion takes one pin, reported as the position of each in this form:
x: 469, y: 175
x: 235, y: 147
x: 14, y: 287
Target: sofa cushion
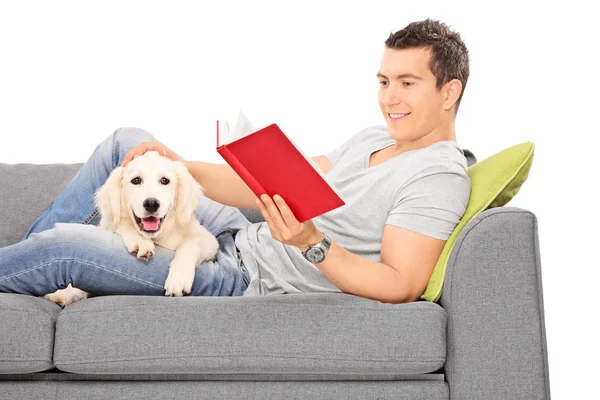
x: 26, y: 333
x: 279, y: 334
x: 494, y: 182
x: 27, y: 191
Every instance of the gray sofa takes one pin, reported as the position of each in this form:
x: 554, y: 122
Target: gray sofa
x: 485, y: 339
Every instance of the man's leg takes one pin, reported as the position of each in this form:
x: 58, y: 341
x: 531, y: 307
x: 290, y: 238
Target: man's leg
x: 76, y: 202
x: 96, y: 261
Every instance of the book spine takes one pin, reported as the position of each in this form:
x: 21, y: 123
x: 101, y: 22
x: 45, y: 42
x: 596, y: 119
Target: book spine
x: 241, y: 171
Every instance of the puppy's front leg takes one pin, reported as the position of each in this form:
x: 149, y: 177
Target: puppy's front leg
x: 191, y: 252
x: 136, y: 243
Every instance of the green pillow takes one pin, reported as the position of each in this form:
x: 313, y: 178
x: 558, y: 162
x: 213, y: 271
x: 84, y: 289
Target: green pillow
x: 494, y: 182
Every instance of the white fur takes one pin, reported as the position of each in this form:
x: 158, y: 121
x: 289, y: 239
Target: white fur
x: 118, y: 199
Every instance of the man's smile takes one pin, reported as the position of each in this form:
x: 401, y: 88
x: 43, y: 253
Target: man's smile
x: 398, y: 116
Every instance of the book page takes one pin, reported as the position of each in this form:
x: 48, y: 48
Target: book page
x: 243, y: 128
x: 228, y: 133
x: 223, y: 131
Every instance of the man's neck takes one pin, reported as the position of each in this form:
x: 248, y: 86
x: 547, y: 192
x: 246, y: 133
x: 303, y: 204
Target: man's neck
x: 440, y: 134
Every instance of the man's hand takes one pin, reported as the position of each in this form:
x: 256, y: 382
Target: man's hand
x: 284, y: 226
x: 149, y: 146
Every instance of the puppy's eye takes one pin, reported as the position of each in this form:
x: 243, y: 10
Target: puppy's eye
x: 136, y: 180
x: 165, y: 181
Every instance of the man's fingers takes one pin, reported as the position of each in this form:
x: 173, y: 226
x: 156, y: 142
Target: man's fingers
x: 274, y: 212
x: 288, y: 216
x: 266, y: 215
x: 149, y: 146
x: 130, y: 156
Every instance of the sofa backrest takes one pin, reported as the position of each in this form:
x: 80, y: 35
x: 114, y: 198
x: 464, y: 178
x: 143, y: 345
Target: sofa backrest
x: 27, y: 190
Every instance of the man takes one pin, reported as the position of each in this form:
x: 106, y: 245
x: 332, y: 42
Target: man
x: 405, y: 186
x: 423, y: 73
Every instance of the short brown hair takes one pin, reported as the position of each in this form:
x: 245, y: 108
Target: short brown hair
x: 449, y: 55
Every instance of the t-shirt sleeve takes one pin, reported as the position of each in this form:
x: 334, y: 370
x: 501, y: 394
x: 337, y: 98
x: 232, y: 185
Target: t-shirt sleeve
x: 433, y: 204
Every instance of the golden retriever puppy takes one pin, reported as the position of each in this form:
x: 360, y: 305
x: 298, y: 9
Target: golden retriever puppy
x: 151, y: 202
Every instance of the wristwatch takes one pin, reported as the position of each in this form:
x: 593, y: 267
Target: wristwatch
x: 316, y: 253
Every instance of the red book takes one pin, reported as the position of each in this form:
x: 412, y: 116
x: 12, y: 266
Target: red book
x: 268, y: 162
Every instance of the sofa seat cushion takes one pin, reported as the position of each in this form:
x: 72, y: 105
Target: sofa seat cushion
x: 26, y: 333
x: 279, y: 334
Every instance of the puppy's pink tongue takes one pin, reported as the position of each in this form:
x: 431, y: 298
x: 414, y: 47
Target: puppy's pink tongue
x: 150, y: 223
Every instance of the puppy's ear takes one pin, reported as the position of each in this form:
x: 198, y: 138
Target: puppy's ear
x: 188, y: 194
x: 108, y: 199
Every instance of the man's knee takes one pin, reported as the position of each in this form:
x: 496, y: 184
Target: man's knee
x: 131, y: 136
x: 66, y: 238
x: 126, y: 139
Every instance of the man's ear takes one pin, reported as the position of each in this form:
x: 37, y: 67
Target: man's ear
x: 108, y: 199
x: 188, y: 194
x: 453, y: 90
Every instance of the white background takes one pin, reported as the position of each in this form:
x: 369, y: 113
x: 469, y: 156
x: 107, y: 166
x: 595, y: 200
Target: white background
x: 72, y: 72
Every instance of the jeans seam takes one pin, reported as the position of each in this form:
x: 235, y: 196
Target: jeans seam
x: 83, y: 262
x: 90, y: 217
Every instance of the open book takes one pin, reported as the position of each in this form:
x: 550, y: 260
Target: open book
x: 269, y: 162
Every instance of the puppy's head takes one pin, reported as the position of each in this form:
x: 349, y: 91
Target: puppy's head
x: 148, y: 193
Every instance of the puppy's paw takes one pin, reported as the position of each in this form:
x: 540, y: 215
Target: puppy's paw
x: 210, y: 248
x: 146, y: 249
x: 66, y: 296
x: 140, y: 246
x: 180, y: 279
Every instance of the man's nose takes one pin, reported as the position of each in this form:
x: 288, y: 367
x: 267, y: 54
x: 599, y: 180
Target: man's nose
x: 390, y: 96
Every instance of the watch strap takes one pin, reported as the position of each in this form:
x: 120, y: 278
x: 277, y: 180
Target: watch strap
x: 323, y: 245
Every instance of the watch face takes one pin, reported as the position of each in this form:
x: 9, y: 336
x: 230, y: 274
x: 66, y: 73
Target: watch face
x: 315, y: 255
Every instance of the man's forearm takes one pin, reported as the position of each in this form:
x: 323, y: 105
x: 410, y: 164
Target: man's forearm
x: 363, y: 277
x: 222, y: 184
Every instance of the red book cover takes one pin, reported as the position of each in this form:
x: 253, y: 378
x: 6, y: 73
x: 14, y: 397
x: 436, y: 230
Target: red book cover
x: 268, y: 162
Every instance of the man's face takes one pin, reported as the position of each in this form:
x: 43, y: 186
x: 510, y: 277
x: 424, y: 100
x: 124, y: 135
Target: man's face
x: 408, y: 86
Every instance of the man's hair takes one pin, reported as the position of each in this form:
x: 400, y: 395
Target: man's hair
x: 449, y: 55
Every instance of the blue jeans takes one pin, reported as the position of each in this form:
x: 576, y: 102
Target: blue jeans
x: 65, y: 245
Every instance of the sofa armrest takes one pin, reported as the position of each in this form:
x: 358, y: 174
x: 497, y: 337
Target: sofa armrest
x: 492, y: 293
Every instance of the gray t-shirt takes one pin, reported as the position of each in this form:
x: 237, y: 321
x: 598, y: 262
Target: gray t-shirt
x: 424, y: 190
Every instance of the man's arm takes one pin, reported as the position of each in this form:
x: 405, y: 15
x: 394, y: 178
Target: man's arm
x: 407, y: 262
x: 222, y: 184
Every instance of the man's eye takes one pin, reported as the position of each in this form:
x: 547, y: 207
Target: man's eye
x: 136, y: 181
x: 408, y: 83
x: 383, y: 83
x: 164, y: 181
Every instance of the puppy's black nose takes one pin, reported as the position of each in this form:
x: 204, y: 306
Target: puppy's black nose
x: 151, y: 204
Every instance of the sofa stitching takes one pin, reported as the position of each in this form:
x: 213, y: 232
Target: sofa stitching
x: 243, y: 353
x: 282, y: 355
x: 253, y: 306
